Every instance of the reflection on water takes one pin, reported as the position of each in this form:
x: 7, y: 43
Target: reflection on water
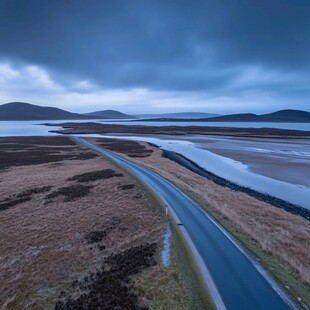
x: 35, y: 128
x: 165, y: 255
x: 23, y: 128
x: 277, y: 167
x: 30, y: 128
x: 295, y: 126
x: 284, y: 160
x: 229, y: 168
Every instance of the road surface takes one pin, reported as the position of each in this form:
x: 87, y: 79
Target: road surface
x: 239, y: 282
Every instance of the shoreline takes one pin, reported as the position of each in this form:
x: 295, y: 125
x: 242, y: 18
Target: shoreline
x: 256, y: 224
x: 292, y: 207
x: 92, y: 128
x: 276, y: 202
x: 228, y: 169
x: 168, y: 196
x: 211, y: 120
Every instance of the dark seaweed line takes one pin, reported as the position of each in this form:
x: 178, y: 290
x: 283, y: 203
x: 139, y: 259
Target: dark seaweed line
x: 276, y: 202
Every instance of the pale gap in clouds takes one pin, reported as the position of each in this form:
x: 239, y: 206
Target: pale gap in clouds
x: 34, y: 85
x: 156, y: 56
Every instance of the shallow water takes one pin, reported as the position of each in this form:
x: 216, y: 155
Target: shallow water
x: 35, y: 128
x: 295, y: 126
x: 229, y: 168
x: 31, y: 128
x: 165, y: 255
x: 284, y: 160
x: 278, y: 167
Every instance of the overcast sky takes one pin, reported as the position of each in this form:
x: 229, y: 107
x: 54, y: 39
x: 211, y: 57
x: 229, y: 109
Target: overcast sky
x: 143, y: 56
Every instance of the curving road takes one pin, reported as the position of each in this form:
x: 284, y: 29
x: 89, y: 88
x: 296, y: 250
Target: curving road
x: 241, y: 283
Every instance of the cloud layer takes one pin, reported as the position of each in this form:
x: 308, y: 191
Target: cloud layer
x: 187, y: 55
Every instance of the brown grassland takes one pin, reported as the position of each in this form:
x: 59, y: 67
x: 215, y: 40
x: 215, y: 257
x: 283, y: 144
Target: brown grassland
x: 83, y: 128
x: 76, y: 231
x: 280, y: 239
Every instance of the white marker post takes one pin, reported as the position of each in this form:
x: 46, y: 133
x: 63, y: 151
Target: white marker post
x: 166, y: 210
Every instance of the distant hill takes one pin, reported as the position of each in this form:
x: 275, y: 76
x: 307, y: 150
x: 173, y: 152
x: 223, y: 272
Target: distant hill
x: 112, y: 114
x: 19, y: 111
x: 289, y: 114
x: 243, y: 117
x: 180, y: 115
x: 285, y: 116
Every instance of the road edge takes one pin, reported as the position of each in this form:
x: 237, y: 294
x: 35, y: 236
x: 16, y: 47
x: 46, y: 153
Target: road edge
x: 203, y: 270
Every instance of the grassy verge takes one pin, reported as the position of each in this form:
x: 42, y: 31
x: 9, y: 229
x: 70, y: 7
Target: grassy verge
x: 179, y: 286
x: 289, y: 280
x: 199, y: 294
x: 164, y: 287
x: 299, y: 292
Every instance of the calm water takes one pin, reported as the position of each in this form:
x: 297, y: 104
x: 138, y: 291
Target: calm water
x: 248, y: 163
x: 29, y: 128
x: 196, y: 149
x: 35, y: 128
x: 297, y: 126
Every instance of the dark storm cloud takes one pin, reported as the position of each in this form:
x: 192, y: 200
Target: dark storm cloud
x: 162, y: 45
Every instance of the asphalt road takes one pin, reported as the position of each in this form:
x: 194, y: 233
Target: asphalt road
x: 239, y: 282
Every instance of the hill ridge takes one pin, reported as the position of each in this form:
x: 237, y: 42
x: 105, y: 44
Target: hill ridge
x: 18, y: 111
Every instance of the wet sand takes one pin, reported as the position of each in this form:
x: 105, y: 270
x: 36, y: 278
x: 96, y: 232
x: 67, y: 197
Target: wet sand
x: 228, y: 168
x: 283, y: 160
x: 276, y: 202
x: 269, y: 160
x: 278, y: 233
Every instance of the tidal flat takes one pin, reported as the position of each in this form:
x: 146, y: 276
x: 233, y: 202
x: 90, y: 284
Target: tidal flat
x: 278, y: 238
